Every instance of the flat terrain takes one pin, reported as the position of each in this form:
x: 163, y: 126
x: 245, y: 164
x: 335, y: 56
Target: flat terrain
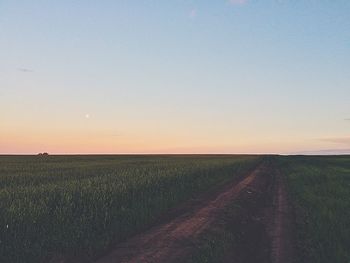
x: 180, y: 208
x: 58, y: 207
x: 169, y: 242
x: 266, y: 211
x: 319, y: 188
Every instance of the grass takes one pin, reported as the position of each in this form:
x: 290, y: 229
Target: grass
x: 320, y: 188
x: 214, y: 245
x: 238, y: 234
x: 68, y: 205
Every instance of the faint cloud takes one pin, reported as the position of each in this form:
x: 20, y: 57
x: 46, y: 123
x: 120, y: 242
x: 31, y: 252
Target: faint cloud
x: 115, y: 135
x: 323, y: 152
x: 347, y: 119
x: 340, y: 140
x: 193, y: 13
x: 238, y: 2
x: 25, y: 70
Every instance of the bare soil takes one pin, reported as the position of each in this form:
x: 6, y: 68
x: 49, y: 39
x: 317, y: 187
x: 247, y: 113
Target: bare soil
x: 282, y: 231
x: 265, y: 223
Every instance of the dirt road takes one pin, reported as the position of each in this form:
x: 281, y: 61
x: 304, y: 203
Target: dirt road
x: 281, y: 232
x: 262, y: 222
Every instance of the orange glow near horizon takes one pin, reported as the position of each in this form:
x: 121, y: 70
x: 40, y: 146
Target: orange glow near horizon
x: 70, y: 142
x: 170, y: 77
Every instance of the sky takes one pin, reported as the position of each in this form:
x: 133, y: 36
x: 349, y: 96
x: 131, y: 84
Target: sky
x: 182, y: 76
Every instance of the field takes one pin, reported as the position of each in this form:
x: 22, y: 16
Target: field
x: 171, y: 208
x: 320, y: 189
x: 71, y: 205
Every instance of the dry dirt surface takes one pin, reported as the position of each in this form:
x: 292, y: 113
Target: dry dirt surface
x: 281, y: 232
x: 264, y: 225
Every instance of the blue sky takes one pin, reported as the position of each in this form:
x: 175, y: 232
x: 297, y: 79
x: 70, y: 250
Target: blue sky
x: 174, y: 76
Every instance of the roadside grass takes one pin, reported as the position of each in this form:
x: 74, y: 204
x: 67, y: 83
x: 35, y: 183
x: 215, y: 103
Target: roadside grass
x: 239, y: 233
x: 320, y: 190
x: 72, y: 205
x: 215, y: 244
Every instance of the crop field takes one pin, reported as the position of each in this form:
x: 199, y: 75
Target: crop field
x: 320, y: 191
x: 171, y: 208
x: 71, y: 205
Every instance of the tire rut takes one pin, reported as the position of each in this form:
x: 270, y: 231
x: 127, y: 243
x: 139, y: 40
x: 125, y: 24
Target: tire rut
x: 174, y: 240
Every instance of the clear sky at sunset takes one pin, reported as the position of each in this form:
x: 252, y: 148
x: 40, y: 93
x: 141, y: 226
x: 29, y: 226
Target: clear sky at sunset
x: 185, y: 76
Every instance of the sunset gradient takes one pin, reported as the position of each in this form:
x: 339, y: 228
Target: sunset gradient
x: 174, y: 76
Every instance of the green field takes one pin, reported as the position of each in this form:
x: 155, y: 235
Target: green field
x: 82, y: 205
x: 320, y: 191
x: 71, y: 205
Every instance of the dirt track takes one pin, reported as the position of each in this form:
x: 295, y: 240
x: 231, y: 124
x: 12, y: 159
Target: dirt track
x: 262, y: 224
x: 282, y: 249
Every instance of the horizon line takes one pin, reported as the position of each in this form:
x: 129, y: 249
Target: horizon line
x: 316, y: 153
